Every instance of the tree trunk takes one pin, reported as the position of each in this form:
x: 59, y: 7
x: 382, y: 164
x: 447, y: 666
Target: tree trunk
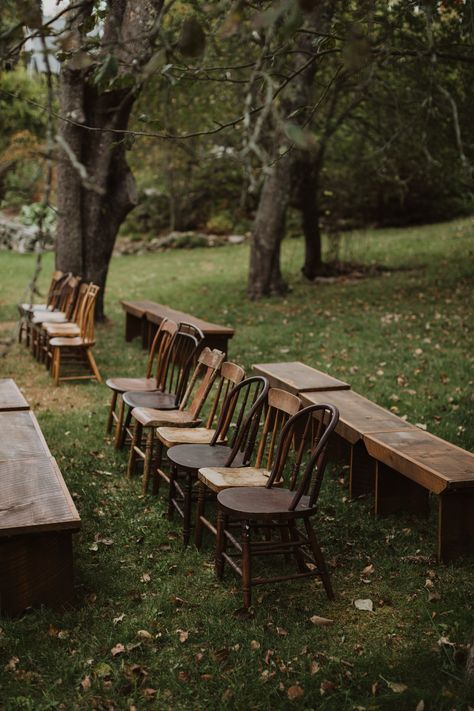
x: 96, y: 189
x: 264, y: 275
x: 308, y: 173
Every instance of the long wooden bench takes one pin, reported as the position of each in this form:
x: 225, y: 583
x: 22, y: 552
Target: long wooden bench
x: 11, y: 397
x: 37, y: 519
x: 142, y: 319
x: 296, y: 377
x: 396, y: 461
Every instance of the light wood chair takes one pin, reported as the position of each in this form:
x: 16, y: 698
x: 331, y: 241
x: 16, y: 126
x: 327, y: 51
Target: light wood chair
x: 66, y: 329
x: 77, y: 350
x: 281, y: 405
x: 28, y: 309
x: 151, y: 382
x: 69, y: 291
x: 146, y: 420
x: 277, y: 510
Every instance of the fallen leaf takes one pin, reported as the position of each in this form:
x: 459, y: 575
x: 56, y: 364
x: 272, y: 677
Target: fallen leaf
x: 420, y: 705
x: 183, y: 676
x: 254, y: 645
x: 145, y: 578
x: 144, y: 634
x: 327, y: 687
x: 367, y: 605
x: 118, y: 619
x: 314, y: 668
x: 149, y: 693
x: 183, y: 635
x: 368, y: 570
x: 281, y: 631
x: 86, y: 683
x: 396, y: 686
x: 118, y: 649
x: 11, y: 665
x: 433, y: 596
x: 321, y: 621
x: 295, y: 692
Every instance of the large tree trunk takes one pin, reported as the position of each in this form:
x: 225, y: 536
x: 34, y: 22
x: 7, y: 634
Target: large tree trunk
x: 264, y: 275
x: 308, y: 174
x: 93, y: 205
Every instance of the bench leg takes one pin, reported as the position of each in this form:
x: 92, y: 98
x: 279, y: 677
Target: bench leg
x: 395, y: 492
x: 338, y: 449
x: 133, y: 327
x: 362, y: 471
x: 456, y: 524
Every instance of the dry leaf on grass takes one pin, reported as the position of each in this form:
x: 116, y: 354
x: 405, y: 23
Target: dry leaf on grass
x: 420, y: 705
x: 119, y: 618
x: 118, y: 649
x: 321, y: 621
x: 144, y: 634
x: 86, y: 683
x: 366, y: 605
x: 183, y: 635
x: 295, y: 692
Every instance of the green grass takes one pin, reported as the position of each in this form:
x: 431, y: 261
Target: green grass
x: 405, y: 341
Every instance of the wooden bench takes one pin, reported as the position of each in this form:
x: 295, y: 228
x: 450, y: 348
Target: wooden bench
x: 400, y: 465
x: 142, y: 319
x: 297, y: 378
x: 11, y: 397
x: 37, y: 519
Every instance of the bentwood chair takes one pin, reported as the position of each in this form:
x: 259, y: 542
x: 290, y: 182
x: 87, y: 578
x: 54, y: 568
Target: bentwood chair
x: 180, y: 359
x: 153, y: 380
x: 243, y: 406
x: 278, y: 510
x: 281, y: 405
x: 65, y: 306
x: 77, y: 350
x: 67, y: 329
x: 28, y: 309
x: 146, y: 420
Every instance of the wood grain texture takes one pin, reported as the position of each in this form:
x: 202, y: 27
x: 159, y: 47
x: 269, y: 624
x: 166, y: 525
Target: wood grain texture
x: 228, y: 477
x: 11, y: 397
x: 298, y: 377
x: 21, y: 437
x: 155, y: 313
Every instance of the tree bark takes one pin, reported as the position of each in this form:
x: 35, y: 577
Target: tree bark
x: 308, y: 179
x: 92, y: 208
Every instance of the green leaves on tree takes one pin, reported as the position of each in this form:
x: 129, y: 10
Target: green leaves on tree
x: 192, y: 41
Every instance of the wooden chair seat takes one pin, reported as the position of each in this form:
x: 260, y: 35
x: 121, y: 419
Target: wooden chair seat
x: 62, y: 329
x: 162, y: 401
x: 76, y: 342
x: 49, y: 317
x: 169, y: 436
x: 123, y: 385
x: 157, y: 418
x: 249, y: 502
x: 228, y: 477
x: 185, y: 456
x: 31, y: 308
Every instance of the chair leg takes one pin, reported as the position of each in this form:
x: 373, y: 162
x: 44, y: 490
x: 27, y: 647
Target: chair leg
x: 110, y: 418
x: 200, y: 510
x: 126, y: 427
x: 156, y: 478
x: 56, y: 364
x: 171, y: 491
x: 187, y: 507
x: 319, y: 558
x: 119, y: 424
x: 219, y: 560
x: 297, y: 551
x: 246, y: 565
x: 147, y: 465
x: 132, y: 457
x: 93, y: 365
x: 284, y: 535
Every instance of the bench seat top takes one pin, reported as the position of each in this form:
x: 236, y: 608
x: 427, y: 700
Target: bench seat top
x: 430, y: 461
x: 11, y: 397
x: 357, y: 415
x: 298, y: 377
x: 21, y: 436
x: 156, y: 312
x: 34, y: 498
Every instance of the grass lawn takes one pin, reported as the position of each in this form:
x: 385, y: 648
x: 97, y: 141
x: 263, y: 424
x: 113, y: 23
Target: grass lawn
x: 403, y: 339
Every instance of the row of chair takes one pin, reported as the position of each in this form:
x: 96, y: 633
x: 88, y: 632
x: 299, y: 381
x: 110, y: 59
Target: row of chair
x: 264, y: 477
x: 60, y: 332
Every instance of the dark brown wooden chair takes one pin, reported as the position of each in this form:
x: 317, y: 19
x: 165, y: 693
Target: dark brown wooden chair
x: 77, y: 350
x: 229, y: 376
x: 146, y: 420
x: 281, y: 405
x: 180, y: 360
x: 277, y: 510
x: 242, y: 409
x: 153, y: 380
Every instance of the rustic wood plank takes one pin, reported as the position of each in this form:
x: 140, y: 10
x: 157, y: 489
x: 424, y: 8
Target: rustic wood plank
x: 298, y: 377
x: 11, y: 397
x: 34, y: 498
x: 21, y: 436
x: 456, y: 524
x: 424, y: 458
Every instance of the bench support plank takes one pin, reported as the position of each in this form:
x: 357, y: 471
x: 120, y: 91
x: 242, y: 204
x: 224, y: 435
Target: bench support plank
x: 362, y: 472
x: 395, y: 492
x: 456, y: 524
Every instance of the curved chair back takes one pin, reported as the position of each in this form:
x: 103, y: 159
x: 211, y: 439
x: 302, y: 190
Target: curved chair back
x: 202, y: 380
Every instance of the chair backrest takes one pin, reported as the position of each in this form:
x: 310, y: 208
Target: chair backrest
x: 159, y: 347
x: 81, y: 294
x: 56, y: 277
x: 302, y: 427
x: 281, y: 405
x: 69, y: 296
x: 229, y: 376
x: 202, y: 380
x: 59, y: 291
x: 179, y: 360
x: 191, y: 329
x: 87, y: 313
x: 242, y: 409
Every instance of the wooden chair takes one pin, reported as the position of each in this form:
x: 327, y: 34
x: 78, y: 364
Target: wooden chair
x: 281, y: 405
x: 27, y: 309
x: 200, y: 385
x: 180, y: 359
x: 156, y: 363
x: 67, y: 329
x: 229, y: 376
x: 278, y: 510
x: 243, y: 406
x: 78, y: 349
x: 69, y: 291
